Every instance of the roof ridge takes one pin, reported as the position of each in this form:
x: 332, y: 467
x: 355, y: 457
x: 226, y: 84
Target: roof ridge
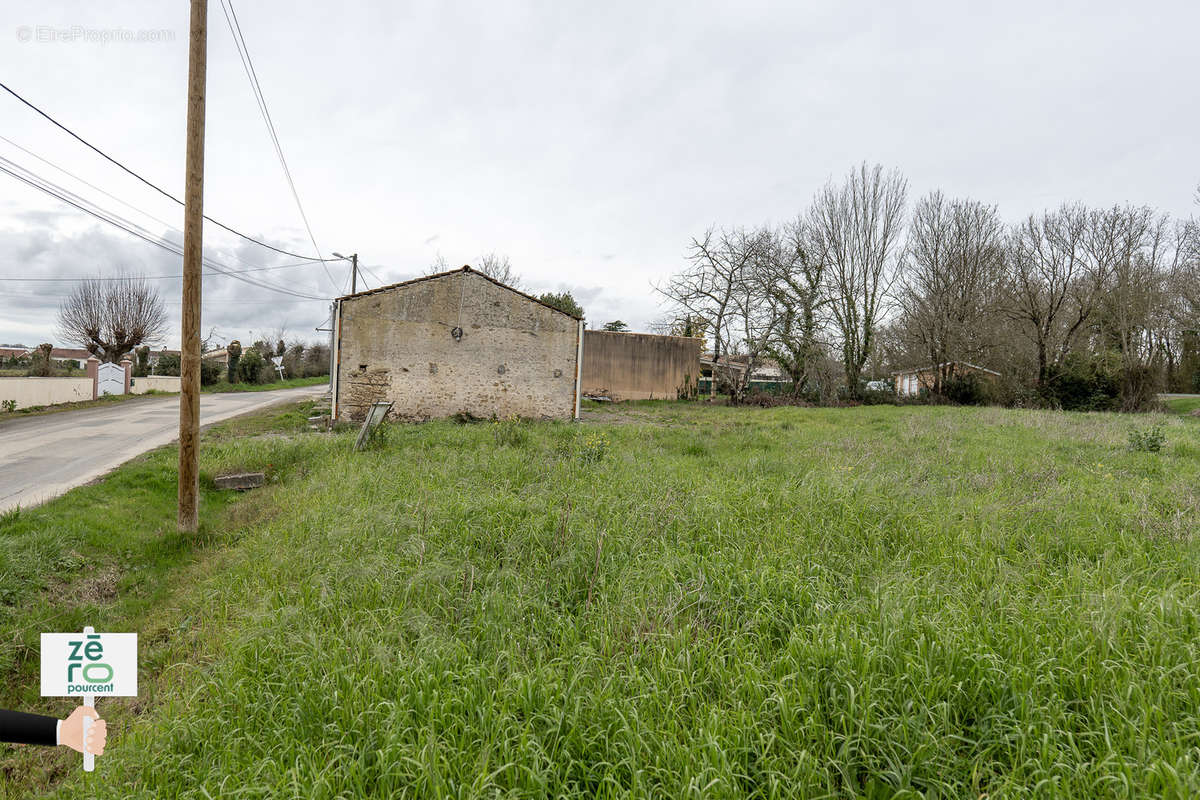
x: 464, y: 269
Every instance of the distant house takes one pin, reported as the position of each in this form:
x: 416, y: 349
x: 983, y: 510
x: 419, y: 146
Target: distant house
x: 767, y: 375
x: 220, y: 356
x: 7, y: 353
x: 910, y: 382
x: 78, y: 355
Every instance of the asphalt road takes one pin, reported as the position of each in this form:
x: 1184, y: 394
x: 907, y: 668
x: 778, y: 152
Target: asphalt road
x: 41, y: 457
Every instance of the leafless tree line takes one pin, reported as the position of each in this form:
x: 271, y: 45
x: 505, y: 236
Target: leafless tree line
x: 858, y: 280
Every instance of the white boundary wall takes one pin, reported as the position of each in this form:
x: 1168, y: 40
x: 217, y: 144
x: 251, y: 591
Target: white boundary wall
x: 45, y: 391
x: 154, y: 383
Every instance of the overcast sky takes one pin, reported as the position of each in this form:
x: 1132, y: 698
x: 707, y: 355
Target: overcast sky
x: 587, y: 141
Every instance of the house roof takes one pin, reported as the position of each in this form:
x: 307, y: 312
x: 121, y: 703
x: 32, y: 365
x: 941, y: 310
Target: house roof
x: 464, y: 269
x: 9, y: 352
x: 945, y: 364
x: 69, y: 352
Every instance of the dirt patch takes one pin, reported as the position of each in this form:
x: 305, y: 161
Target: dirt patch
x: 97, y: 587
x: 614, y: 417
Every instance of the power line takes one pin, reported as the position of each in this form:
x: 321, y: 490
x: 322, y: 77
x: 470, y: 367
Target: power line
x: 239, y: 42
x: 128, y: 205
x: 33, y: 179
x: 65, y: 195
x: 149, y: 183
x: 103, y: 278
x: 371, y: 272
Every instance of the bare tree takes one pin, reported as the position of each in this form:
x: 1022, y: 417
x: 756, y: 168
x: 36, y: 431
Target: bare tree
x: 1054, y: 289
x: 499, y: 268
x: 439, y: 264
x: 716, y: 288
x: 797, y: 292
x: 952, y: 274
x: 855, y: 231
x: 1130, y: 253
x: 494, y: 265
x: 110, y: 318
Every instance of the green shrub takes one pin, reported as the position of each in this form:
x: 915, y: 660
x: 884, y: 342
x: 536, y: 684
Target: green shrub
x: 316, y: 360
x: 966, y: 390
x: 1084, y: 384
x: 878, y: 397
x: 1148, y: 440
x: 40, y: 364
x: 9, y: 406
x: 167, y: 365
x: 210, y: 372
x: 141, y: 361
x: 253, y: 368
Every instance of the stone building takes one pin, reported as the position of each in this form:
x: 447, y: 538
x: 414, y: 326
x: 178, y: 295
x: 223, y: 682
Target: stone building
x: 639, y: 366
x: 455, y: 343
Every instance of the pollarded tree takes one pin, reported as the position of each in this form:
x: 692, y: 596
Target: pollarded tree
x: 856, y: 227
x: 110, y: 318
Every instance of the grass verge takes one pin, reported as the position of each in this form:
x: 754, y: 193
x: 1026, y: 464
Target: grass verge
x: 698, y: 601
x: 1182, y: 405
x: 290, y: 383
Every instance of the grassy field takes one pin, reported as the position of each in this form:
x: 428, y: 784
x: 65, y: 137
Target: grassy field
x: 668, y: 600
x: 1182, y: 405
x: 290, y: 383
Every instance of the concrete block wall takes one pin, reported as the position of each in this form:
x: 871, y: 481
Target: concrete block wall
x: 455, y: 343
x: 639, y: 366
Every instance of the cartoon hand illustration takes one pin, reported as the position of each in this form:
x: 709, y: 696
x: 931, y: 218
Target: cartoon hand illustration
x: 72, y: 731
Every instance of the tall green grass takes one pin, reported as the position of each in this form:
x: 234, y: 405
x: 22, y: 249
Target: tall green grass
x: 683, y: 601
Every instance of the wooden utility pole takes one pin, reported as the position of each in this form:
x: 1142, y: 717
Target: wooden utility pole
x: 193, y: 249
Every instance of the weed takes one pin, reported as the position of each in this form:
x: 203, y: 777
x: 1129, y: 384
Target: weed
x: 1149, y: 440
x: 593, y: 447
x: 509, y: 432
x: 9, y: 406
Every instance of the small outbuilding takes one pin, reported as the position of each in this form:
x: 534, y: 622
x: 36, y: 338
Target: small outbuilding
x: 456, y: 342
x: 910, y: 382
